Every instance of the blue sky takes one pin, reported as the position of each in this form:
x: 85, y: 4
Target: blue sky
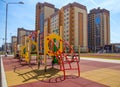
x: 24, y: 15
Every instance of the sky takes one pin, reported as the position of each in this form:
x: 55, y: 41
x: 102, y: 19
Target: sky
x: 23, y: 15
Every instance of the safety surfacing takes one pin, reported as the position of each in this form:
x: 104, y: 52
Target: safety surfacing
x: 92, y: 74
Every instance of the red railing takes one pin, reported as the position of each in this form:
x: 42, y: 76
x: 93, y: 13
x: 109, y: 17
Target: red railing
x: 63, y: 60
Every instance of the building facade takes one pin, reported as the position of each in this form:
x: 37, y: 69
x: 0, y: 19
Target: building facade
x: 13, y: 43
x: 75, y: 25
x: 43, y: 11
x: 73, y: 19
x: 55, y: 23
x: 21, y: 33
x: 98, y: 29
x: 14, y: 39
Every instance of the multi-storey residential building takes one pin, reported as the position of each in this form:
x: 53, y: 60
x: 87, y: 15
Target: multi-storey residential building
x: 14, y: 43
x: 75, y: 25
x: 73, y: 19
x: 55, y: 22
x: 21, y: 33
x: 43, y: 11
x: 14, y: 39
x: 98, y: 29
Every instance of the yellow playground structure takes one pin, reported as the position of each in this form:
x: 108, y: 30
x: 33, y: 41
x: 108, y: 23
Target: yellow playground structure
x: 29, y: 47
x: 54, y: 48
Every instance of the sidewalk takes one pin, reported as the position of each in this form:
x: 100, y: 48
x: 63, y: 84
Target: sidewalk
x: 94, y: 73
x: 3, y: 77
x: 101, y: 60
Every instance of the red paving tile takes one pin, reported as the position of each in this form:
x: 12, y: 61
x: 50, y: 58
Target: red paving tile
x: 85, y: 65
x: 12, y: 63
x: 71, y: 81
x: 117, y: 67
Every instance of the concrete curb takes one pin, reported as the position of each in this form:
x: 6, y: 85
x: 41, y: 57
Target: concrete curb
x: 4, y: 82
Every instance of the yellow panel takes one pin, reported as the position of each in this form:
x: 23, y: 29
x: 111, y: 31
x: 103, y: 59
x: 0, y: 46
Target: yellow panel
x: 47, y: 39
x: 27, y: 57
x: 22, y: 50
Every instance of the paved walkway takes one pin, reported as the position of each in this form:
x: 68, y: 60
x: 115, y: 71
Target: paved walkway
x: 3, y: 77
x: 101, y: 60
x: 94, y: 73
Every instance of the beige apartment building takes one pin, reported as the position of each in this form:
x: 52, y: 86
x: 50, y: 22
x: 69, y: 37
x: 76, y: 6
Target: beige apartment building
x: 43, y: 11
x: 21, y: 33
x: 55, y: 22
x: 75, y: 25
x: 14, y: 39
x: 13, y: 43
x: 73, y: 19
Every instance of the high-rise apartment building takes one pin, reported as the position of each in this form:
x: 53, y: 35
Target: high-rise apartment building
x: 14, y: 39
x: 55, y: 22
x: 98, y: 29
x: 43, y: 11
x: 74, y: 22
x: 79, y: 29
x: 73, y: 19
x: 13, y: 43
x: 21, y: 33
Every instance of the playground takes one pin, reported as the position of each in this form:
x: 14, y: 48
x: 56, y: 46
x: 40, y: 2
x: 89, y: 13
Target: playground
x: 44, y: 58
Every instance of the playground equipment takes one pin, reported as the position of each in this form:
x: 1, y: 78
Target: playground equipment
x: 58, y: 54
x: 54, y: 46
x: 50, y: 38
x: 29, y: 48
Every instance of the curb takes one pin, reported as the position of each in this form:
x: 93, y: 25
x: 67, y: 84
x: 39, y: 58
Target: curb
x: 3, y: 77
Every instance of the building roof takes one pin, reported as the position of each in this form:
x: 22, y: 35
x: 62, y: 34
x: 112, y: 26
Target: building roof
x: 45, y: 4
x: 76, y: 5
x: 98, y: 10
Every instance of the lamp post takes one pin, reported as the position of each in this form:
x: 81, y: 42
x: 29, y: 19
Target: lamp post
x: 7, y: 3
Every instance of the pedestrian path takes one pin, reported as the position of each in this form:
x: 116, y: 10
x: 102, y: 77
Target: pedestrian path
x: 93, y: 73
x: 101, y: 60
x: 3, y: 76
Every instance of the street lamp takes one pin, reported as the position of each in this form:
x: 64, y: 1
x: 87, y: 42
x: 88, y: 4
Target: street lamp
x: 7, y: 3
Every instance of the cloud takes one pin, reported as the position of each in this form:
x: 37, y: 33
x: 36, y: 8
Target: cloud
x: 57, y: 3
x: 112, y: 5
x: 94, y: 3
